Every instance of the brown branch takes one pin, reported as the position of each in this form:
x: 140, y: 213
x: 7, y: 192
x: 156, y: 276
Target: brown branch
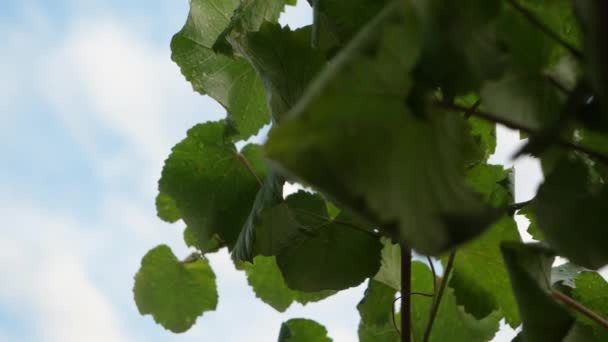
x: 580, y: 308
x: 529, y: 130
x: 437, y: 301
x: 544, y: 29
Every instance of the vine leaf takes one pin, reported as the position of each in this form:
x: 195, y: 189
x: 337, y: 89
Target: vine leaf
x: 529, y: 268
x: 353, y: 120
x: 390, y: 265
x: 230, y: 81
x: 316, y: 253
x: 249, y: 17
x: 269, y: 195
x: 571, y: 214
x: 264, y: 276
x: 565, y: 274
x: 480, y: 280
x: 175, y: 293
x: 212, y: 188
x: 375, y: 309
x: 284, y: 60
x: 303, y: 330
x: 591, y: 291
x: 452, y: 323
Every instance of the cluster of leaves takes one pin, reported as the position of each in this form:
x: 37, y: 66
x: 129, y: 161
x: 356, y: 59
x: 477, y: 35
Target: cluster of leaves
x: 387, y: 110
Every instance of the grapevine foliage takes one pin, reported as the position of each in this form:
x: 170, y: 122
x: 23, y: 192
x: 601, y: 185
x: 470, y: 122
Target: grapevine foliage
x: 387, y: 109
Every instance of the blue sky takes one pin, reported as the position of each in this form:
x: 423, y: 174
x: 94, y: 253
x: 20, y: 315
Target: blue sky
x: 90, y: 105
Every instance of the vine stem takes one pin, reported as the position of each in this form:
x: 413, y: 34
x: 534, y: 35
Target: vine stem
x: 437, y: 301
x: 249, y: 168
x: 516, y: 125
x: 544, y: 29
x: 406, y: 290
x: 580, y: 308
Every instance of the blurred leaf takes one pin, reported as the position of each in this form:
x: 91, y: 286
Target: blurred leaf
x: 354, y: 119
x: 375, y: 309
x: 529, y: 267
x: 571, y: 214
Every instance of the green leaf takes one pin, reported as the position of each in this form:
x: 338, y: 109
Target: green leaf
x: 480, y: 280
x: 315, y: 252
x: 592, y: 291
x: 452, y: 323
x: 529, y: 267
x: 492, y: 182
x: 269, y: 195
x: 303, y: 330
x: 175, y: 293
x: 571, y: 214
x: 230, y: 81
x: 211, y: 184
x: 346, y: 18
x: 249, y: 17
x: 390, y: 265
x: 376, y: 313
x: 462, y: 33
x: 212, y: 245
x: 166, y: 208
x: 264, y: 276
x: 360, y: 144
x: 285, y: 61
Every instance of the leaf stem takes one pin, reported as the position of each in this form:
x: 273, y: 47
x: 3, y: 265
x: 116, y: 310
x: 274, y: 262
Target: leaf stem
x: 406, y: 289
x: 580, y: 308
x: 531, y: 131
x: 544, y: 29
x: 249, y: 168
x: 437, y: 301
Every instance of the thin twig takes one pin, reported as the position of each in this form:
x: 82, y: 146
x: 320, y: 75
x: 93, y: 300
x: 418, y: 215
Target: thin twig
x: 580, y: 308
x: 544, y: 29
x: 249, y: 168
x: 531, y: 131
x: 406, y: 289
x: 437, y: 301
x: 434, y: 275
x: 473, y: 108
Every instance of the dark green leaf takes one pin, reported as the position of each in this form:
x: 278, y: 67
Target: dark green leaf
x: 175, y: 293
x: 269, y: 195
x: 360, y: 144
x: 211, y: 184
x: 212, y: 245
x: 529, y: 268
x: 376, y: 310
x: 285, y: 61
x: 452, y: 323
x: 480, y: 280
x: 592, y: 291
x: 303, y: 330
x: 230, y: 81
x: 264, y: 276
x: 532, y: 226
x: 492, y: 182
x: 571, y: 214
